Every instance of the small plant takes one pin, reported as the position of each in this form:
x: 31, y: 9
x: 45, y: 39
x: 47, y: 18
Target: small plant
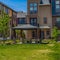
x: 55, y: 33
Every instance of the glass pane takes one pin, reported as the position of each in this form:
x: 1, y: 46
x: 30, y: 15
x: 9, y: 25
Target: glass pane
x: 58, y: 19
x: 31, y: 8
x: 57, y: 6
x: 35, y: 8
x: 31, y: 4
x: 57, y: 2
x: 35, y: 4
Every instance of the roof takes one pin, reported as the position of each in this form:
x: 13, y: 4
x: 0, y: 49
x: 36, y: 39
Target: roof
x: 8, y: 6
x: 30, y: 27
x: 21, y: 14
x: 44, y: 27
x: 46, y: 2
x: 25, y: 27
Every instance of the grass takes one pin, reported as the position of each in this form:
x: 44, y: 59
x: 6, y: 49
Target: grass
x: 30, y: 52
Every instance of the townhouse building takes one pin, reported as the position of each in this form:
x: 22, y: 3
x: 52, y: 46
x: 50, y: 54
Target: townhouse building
x: 13, y: 17
x: 42, y: 16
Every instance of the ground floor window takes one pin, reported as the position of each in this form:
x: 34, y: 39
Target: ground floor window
x: 48, y: 34
x: 34, y: 34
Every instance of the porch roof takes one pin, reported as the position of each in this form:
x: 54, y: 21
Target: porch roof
x: 44, y: 27
x: 25, y: 27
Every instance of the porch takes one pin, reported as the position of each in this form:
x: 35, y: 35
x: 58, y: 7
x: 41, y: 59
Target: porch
x: 33, y: 34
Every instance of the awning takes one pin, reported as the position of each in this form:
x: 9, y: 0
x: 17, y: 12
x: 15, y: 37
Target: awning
x: 25, y: 27
x: 44, y: 27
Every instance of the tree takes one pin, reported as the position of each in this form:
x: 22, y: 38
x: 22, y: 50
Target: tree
x: 19, y: 33
x: 4, y: 24
x: 55, y: 33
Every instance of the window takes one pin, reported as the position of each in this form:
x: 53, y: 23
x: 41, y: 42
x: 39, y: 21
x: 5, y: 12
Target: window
x: 57, y: 5
x: 58, y: 21
x: 33, y: 34
x: 33, y: 21
x: 6, y: 10
x: 48, y: 32
x: 33, y: 8
x: 57, y: 2
x: 50, y: 1
x: 45, y: 20
x: 21, y: 21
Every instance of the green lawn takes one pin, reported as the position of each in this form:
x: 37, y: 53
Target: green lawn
x: 30, y: 52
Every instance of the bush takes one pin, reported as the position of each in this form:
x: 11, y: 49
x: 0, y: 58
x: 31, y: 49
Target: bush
x: 49, y: 41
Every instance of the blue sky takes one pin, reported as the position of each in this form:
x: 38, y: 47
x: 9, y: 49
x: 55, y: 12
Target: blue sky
x: 17, y: 5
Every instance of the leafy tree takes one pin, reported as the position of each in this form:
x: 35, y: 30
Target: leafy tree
x: 55, y: 33
x: 4, y: 24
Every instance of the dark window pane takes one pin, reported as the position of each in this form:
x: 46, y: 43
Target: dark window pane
x: 33, y: 34
x: 21, y: 21
x: 41, y: 2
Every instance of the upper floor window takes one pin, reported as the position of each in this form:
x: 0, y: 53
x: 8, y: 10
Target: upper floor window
x: 6, y: 10
x: 33, y: 21
x: 57, y: 1
x: 33, y: 8
x: 57, y: 5
x: 58, y: 21
x: 45, y: 20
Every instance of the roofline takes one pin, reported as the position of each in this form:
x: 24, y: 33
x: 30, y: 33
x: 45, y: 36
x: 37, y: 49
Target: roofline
x: 8, y: 7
